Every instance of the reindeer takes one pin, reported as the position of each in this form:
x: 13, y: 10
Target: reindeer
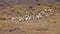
x: 50, y: 10
x: 38, y: 16
x: 47, y: 10
x: 21, y: 19
x: 13, y: 19
x: 44, y: 13
x: 28, y: 17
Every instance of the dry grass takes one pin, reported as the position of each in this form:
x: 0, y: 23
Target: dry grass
x: 50, y: 25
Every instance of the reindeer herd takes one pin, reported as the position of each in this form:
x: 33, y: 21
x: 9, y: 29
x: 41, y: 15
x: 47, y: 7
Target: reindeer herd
x: 29, y: 17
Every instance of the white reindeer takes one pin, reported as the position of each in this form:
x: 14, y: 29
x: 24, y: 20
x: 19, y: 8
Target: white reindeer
x: 49, y: 9
x: 13, y: 19
x: 38, y: 16
x: 45, y: 9
x: 18, y: 19
x: 44, y: 13
x: 21, y: 19
x: 28, y: 17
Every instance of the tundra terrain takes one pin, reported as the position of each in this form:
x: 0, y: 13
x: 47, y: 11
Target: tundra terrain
x: 45, y: 25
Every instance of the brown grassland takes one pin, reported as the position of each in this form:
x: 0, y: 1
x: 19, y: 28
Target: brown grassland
x: 46, y: 25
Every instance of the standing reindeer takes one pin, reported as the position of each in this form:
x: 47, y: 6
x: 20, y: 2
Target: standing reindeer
x: 45, y: 12
x: 38, y: 16
x: 21, y: 19
x: 15, y: 19
x: 28, y: 17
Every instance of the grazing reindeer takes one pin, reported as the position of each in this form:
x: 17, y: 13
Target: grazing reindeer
x: 15, y: 19
x: 45, y: 9
x: 21, y: 19
x: 49, y: 10
x: 45, y: 12
x: 28, y: 17
x: 38, y: 16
